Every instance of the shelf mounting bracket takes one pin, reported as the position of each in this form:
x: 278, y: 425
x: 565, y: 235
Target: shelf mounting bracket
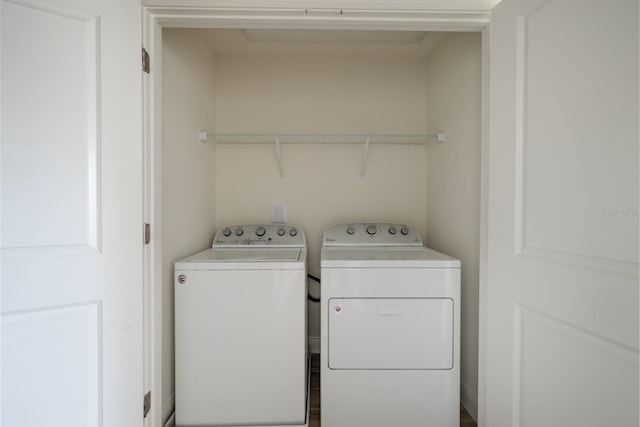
x: 279, y: 156
x: 363, y: 168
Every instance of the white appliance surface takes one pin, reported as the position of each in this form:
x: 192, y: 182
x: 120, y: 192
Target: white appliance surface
x: 383, y: 256
x: 390, y: 329
x: 241, y: 356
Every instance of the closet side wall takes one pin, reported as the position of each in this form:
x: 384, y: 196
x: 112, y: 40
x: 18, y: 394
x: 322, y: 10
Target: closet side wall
x: 322, y: 184
x: 188, y: 206
x: 453, y: 189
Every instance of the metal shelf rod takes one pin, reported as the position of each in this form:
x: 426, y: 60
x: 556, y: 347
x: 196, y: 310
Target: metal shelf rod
x: 320, y: 138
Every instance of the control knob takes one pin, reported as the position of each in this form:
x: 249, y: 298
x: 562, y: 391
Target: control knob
x: 280, y: 231
x: 392, y: 230
x: 371, y: 230
x: 404, y: 231
x: 226, y: 232
x: 239, y: 232
x: 293, y: 232
x: 351, y: 230
x: 260, y: 231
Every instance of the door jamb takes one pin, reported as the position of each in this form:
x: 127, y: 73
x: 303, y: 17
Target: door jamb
x: 156, y: 18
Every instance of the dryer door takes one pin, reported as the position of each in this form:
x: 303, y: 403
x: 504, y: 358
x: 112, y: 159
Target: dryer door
x: 390, y: 333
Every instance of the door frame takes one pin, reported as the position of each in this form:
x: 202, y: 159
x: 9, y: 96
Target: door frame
x: 430, y: 17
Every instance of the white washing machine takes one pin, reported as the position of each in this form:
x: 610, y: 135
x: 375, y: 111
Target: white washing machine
x: 390, y: 329
x: 241, y: 331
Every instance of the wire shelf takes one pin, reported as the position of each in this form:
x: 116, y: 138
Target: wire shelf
x: 328, y: 139
x: 319, y: 138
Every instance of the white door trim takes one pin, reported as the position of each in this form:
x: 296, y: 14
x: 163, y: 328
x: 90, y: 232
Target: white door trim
x: 483, y: 281
x: 157, y: 17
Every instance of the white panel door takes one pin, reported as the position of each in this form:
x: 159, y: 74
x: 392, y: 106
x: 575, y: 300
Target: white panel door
x: 71, y: 213
x: 562, y: 295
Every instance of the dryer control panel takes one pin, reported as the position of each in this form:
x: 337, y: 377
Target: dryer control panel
x: 280, y: 235
x: 372, y: 234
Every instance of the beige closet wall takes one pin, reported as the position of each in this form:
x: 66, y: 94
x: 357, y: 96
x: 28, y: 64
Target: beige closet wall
x: 321, y: 91
x: 453, y: 190
x: 188, y: 198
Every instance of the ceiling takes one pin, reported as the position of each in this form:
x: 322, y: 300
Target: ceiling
x: 415, y: 44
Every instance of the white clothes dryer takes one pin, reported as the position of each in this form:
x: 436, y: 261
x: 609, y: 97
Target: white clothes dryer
x: 241, y: 331
x: 390, y: 329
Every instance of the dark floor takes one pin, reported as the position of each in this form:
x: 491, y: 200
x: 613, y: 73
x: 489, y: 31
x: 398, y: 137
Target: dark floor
x: 314, y: 410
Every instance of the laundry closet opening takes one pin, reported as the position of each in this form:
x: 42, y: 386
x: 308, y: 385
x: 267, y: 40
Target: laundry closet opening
x: 338, y: 83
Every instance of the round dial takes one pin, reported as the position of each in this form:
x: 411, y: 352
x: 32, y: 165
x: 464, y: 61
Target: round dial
x: 239, y: 231
x: 392, y: 230
x: 260, y: 231
x: 293, y: 232
x: 372, y: 230
x: 280, y: 231
x: 404, y: 231
x: 226, y: 232
x: 351, y: 230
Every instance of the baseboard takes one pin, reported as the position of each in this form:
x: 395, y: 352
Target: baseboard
x: 171, y: 421
x: 168, y: 406
x: 469, y: 400
x: 314, y: 344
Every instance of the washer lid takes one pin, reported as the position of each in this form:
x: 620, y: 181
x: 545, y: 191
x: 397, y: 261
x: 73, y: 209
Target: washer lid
x: 360, y: 256
x: 244, y: 258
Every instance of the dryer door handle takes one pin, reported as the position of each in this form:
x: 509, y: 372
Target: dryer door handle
x: 390, y: 310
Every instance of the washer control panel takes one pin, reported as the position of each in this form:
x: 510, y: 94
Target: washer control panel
x: 372, y: 234
x: 283, y: 235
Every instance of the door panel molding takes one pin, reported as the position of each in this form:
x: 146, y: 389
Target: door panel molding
x: 61, y: 215
x: 568, y: 230
x: 542, y: 342
x: 63, y: 343
x: 596, y: 264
